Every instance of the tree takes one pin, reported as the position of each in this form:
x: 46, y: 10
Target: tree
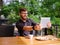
x: 51, y: 7
x: 44, y: 8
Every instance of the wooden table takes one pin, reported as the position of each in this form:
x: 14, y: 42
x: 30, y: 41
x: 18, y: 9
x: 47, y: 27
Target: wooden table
x: 25, y: 41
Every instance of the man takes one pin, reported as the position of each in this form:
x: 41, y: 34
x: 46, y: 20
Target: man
x: 25, y: 25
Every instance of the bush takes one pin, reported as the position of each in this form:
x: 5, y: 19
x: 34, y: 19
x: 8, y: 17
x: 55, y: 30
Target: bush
x: 12, y: 17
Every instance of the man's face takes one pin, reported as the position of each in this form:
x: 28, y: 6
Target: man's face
x: 23, y: 15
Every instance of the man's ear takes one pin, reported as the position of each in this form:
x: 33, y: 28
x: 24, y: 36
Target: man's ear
x: 19, y: 15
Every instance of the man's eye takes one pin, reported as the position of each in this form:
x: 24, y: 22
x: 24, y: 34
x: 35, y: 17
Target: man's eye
x: 24, y: 13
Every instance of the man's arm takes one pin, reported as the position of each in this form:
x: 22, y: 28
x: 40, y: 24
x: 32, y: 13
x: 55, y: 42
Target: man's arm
x: 22, y: 27
x: 36, y: 26
x: 28, y: 28
x: 19, y: 26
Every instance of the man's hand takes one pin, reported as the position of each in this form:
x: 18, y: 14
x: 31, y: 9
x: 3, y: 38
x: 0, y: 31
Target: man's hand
x: 49, y: 24
x: 28, y: 28
x: 38, y: 27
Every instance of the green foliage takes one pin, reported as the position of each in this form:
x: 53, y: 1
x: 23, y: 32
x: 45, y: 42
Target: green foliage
x: 57, y: 21
x: 35, y: 18
x: 6, y: 9
x: 12, y: 17
x: 36, y: 8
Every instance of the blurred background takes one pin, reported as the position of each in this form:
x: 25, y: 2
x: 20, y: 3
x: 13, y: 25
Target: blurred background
x: 37, y: 8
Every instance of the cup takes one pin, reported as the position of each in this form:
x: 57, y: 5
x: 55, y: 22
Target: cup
x: 31, y: 36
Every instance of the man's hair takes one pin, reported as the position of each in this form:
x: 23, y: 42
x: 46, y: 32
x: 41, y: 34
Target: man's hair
x: 22, y: 9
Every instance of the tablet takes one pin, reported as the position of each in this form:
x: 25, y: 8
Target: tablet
x: 44, y: 21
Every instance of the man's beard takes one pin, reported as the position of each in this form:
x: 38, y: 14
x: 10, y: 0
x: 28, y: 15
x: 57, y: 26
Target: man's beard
x: 24, y: 18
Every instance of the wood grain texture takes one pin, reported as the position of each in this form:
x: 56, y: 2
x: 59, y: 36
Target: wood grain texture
x: 26, y: 41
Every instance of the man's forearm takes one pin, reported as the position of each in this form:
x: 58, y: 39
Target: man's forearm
x: 28, y: 28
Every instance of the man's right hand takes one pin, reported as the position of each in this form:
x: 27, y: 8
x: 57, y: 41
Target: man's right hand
x: 28, y: 28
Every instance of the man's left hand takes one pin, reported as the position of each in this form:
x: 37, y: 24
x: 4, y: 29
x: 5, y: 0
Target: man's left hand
x: 49, y: 24
x: 37, y: 27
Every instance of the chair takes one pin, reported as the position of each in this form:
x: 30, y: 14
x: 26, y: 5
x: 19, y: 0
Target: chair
x: 6, y: 30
